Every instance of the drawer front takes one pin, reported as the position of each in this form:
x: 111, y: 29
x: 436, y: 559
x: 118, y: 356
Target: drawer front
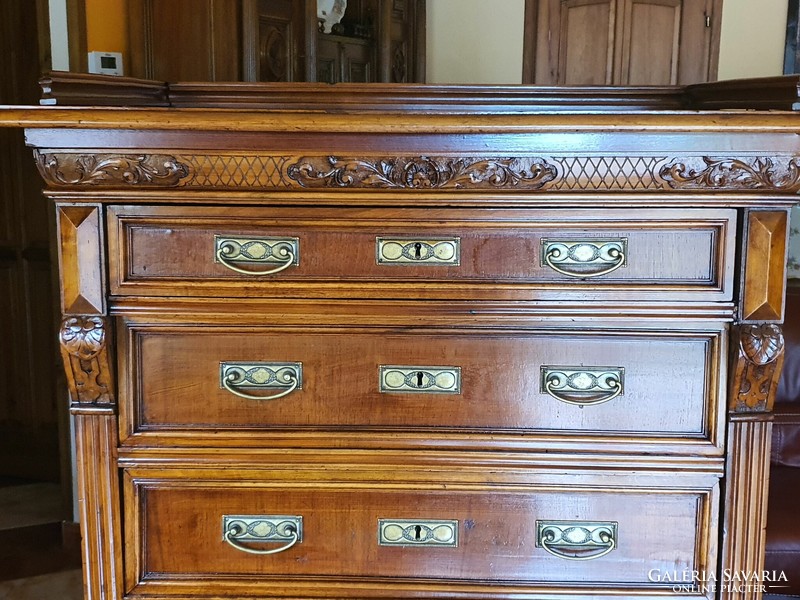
x: 528, y: 533
x: 407, y: 253
x: 619, y: 385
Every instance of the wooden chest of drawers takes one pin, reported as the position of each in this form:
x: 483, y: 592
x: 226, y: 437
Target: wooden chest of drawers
x: 377, y: 352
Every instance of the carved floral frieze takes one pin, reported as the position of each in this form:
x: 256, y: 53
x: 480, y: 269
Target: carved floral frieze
x: 779, y: 174
x: 422, y: 172
x: 111, y: 169
x: 734, y: 174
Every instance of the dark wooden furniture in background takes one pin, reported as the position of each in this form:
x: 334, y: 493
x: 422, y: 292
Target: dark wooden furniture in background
x: 276, y: 40
x: 29, y: 407
x: 259, y: 298
x: 783, y: 529
x: 791, y: 60
x: 621, y: 42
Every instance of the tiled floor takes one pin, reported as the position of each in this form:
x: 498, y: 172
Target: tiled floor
x: 66, y: 585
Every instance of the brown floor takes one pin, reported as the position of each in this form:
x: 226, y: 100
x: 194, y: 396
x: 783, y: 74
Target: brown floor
x: 65, y: 585
x: 36, y: 549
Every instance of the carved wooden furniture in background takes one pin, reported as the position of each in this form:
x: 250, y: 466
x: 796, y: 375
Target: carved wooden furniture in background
x: 621, y: 42
x: 276, y: 40
x: 393, y: 343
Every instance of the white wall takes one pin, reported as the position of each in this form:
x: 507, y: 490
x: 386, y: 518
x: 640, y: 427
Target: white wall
x: 752, y: 39
x: 475, y: 41
x: 58, y: 35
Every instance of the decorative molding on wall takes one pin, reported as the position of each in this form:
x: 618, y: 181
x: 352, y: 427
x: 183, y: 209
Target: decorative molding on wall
x: 780, y: 174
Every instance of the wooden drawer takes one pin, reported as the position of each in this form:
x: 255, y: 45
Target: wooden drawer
x: 175, y: 529
x: 536, y: 386
x: 434, y: 253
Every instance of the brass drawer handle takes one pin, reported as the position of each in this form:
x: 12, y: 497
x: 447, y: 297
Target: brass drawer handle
x: 258, y: 529
x: 287, y: 377
x: 284, y: 252
x: 413, y: 251
x: 581, y: 386
x: 561, y: 255
x: 563, y: 538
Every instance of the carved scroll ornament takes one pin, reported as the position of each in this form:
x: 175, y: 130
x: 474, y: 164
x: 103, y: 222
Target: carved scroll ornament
x: 85, y: 352
x: 422, y: 172
x: 734, y: 174
x: 524, y: 173
x: 110, y: 169
x: 758, y: 368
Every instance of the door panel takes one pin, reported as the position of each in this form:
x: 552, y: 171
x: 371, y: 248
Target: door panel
x: 622, y: 42
x: 585, y: 42
x: 649, y: 34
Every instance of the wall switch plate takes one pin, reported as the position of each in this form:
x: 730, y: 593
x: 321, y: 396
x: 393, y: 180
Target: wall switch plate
x: 106, y: 63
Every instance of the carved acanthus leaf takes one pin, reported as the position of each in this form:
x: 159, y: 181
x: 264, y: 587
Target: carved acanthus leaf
x: 111, y: 169
x: 85, y: 352
x: 733, y: 174
x: 762, y: 344
x: 757, y: 368
x: 422, y: 172
x: 83, y: 337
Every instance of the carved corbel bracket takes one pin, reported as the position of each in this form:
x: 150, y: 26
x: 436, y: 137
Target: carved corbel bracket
x: 757, y: 367
x: 84, y: 342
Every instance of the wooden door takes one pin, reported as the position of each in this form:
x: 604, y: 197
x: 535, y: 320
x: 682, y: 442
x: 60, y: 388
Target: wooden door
x: 29, y: 406
x: 575, y: 42
x: 621, y: 42
x: 185, y: 40
x: 275, y: 46
x: 662, y: 42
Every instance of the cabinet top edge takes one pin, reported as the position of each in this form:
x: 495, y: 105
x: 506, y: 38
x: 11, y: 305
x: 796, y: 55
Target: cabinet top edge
x: 395, y: 122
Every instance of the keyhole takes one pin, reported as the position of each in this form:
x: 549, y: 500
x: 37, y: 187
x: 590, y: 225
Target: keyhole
x: 419, y: 379
x: 418, y: 250
x: 417, y: 532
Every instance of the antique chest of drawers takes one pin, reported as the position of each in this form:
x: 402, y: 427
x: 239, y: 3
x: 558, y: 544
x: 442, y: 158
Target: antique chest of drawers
x: 342, y: 345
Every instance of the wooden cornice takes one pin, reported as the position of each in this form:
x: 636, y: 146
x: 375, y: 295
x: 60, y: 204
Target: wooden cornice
x: 75, y: 89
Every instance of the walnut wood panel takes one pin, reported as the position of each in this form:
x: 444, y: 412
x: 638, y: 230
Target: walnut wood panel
x: 171, y: 251
x: 77, y: 89
x: 669, y: 386
x: 99, y: 501
x: 174, y: 531
x: 697, y: 192
x: 81, y: 258
x: 746, y: 489
x: 764, y: 278
x: 765, y: 93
